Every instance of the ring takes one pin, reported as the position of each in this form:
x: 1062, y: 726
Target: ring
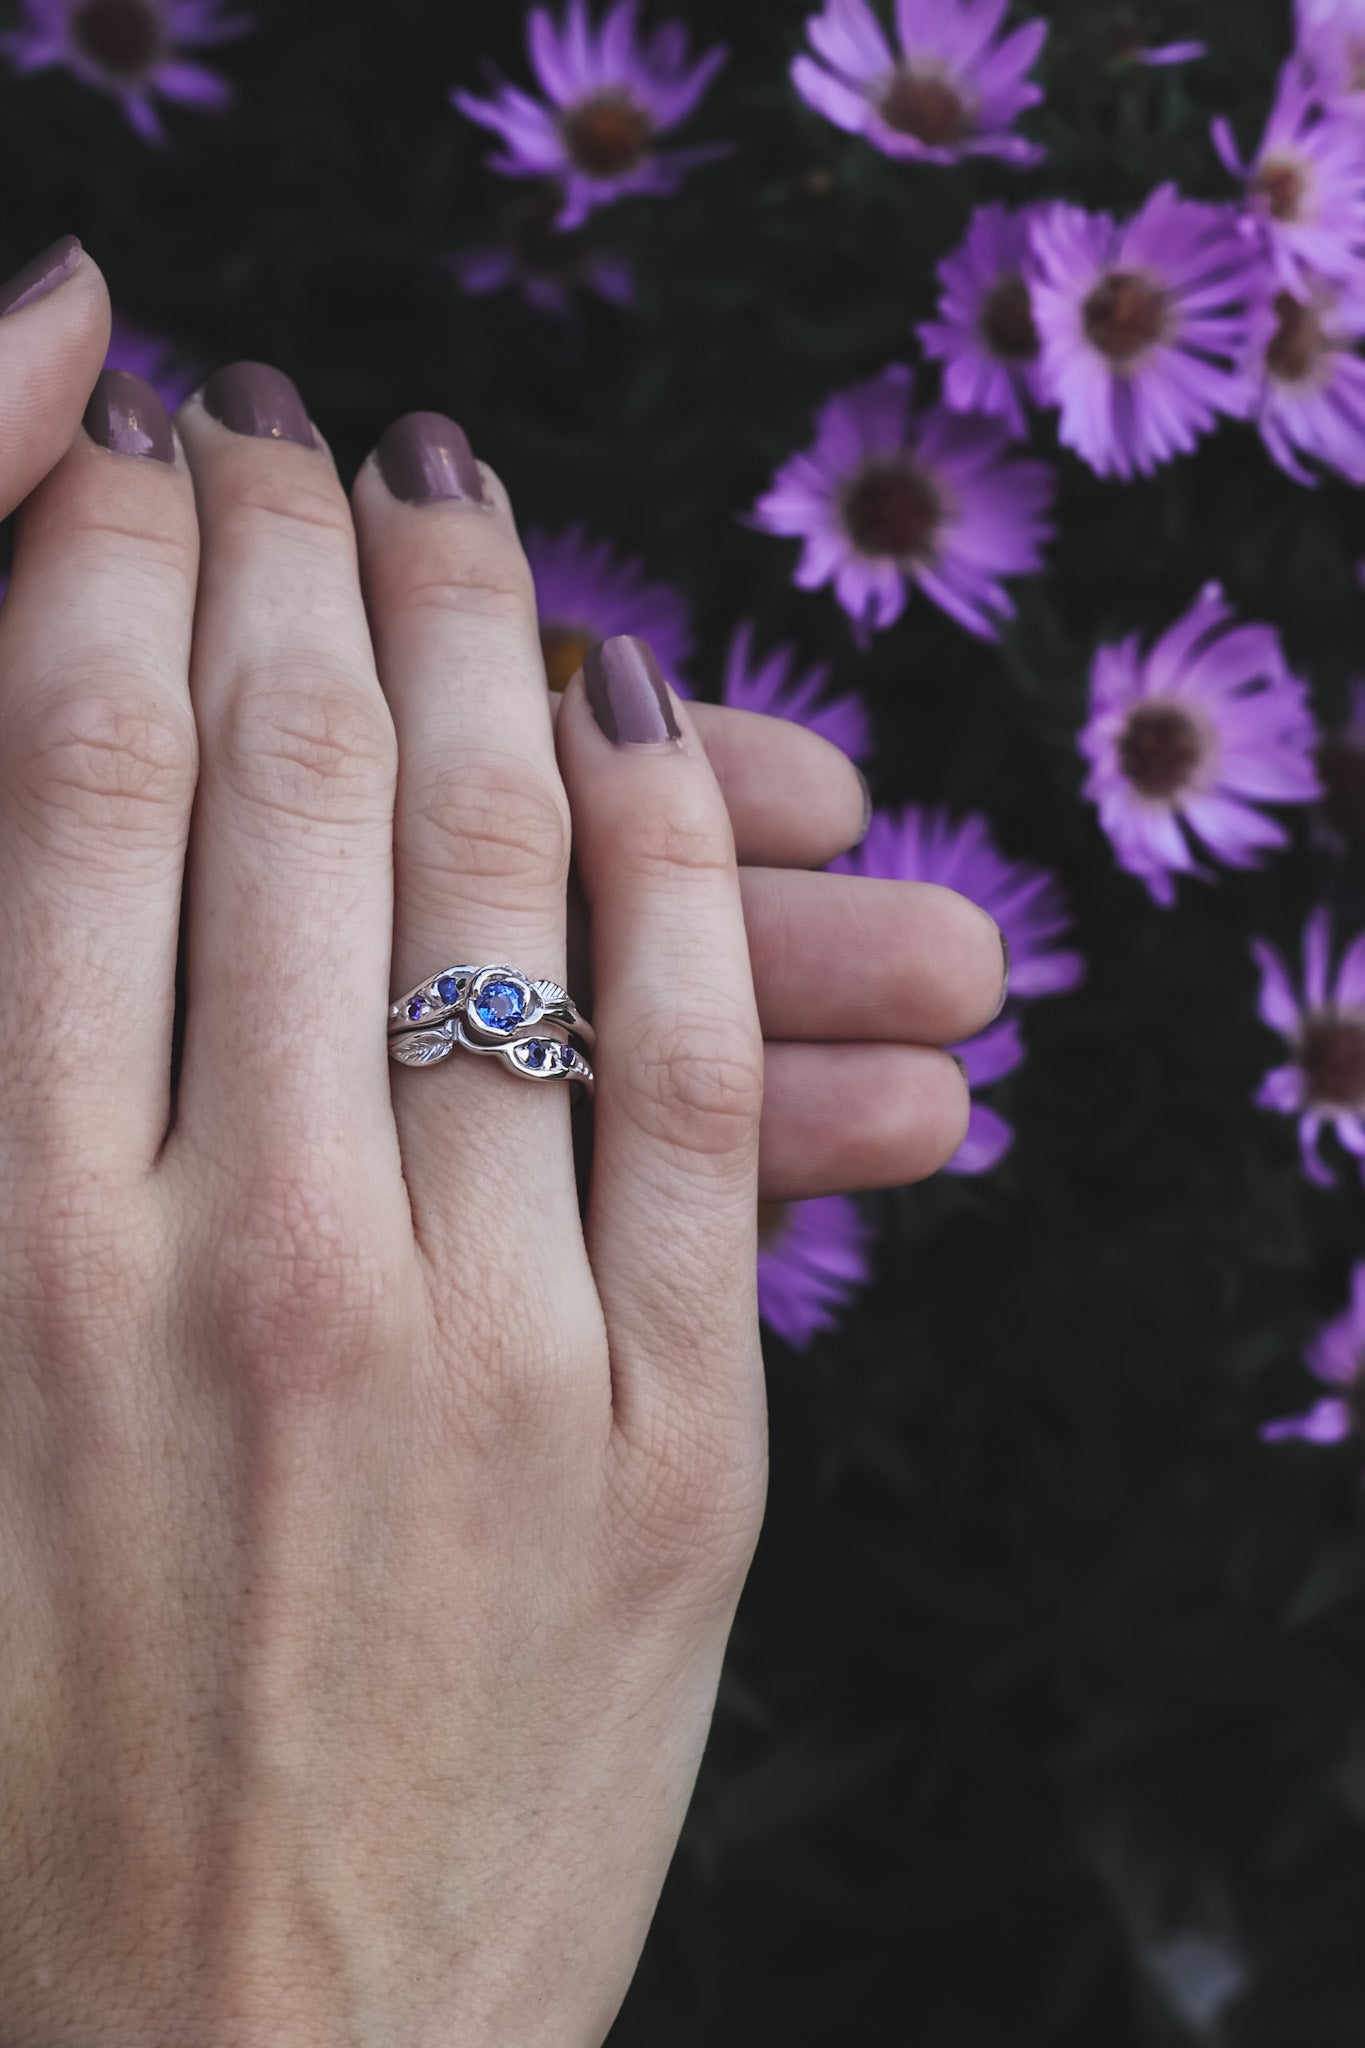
x: 497, y: 1004
x: 535, y: 1059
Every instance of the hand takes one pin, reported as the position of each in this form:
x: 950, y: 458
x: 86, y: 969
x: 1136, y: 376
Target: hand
x: 371, y: 1529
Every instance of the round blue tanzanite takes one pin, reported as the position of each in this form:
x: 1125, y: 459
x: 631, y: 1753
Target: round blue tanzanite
x: 500, y: 1005
x: 447, y: 988
x: 416, y: 1009
x: 537, y: 1053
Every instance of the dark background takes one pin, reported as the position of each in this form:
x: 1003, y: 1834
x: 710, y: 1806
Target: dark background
x: 1046, y: 1663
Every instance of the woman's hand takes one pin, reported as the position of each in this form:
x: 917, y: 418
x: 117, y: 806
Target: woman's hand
x: 371, y: 1529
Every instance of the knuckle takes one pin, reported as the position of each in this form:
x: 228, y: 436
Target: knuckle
x: 689, y: 1510
x: 107, y: 757
x: 304, y: 501
x: 689, y: 835
x: 695, y: 1085
x: 468, y: 565
x: 327, y: 753
x: 492, y: 818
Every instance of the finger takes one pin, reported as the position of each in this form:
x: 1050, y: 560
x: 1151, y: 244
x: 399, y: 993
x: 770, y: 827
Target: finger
x: 97, y: 772
x: 846, y: 957
x: 795, y: 801
x: 672, y: 1216
x: 481, y: 826
x: 840, y: 1118
x: 290, y: 876
x: 54, y: 330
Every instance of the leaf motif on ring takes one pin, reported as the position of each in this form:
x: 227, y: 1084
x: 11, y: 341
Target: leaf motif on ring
x: 421, y: 1048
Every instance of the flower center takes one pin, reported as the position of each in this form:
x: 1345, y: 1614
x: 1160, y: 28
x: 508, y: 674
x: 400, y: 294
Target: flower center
x: 1160, y: 749
x: 1333, y: 1059
x: 924, y: 105
x: 1124, y: 315
x: 892, y: 509
x: 1282, y: 183
x: 564, y: 648
x: 1341, y: 771
x: 122, y: 36
x: 608, y: 135
x: 1006, y: 321
x: 1298, y: 343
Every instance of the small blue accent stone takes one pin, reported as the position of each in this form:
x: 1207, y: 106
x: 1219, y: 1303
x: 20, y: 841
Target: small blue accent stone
x: 447, y: 988
x: 536, y: 1053
x: 566, y: 1057
x: 416, y: 1008
x: 500, y: 1006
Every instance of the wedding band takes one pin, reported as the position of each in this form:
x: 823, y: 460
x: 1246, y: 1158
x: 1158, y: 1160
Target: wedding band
x: 535, y: 1059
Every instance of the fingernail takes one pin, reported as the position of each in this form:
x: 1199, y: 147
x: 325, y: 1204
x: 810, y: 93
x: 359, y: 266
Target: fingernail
x: 628, y: 694
x: 867, y: 808
x: 53, y: 266
x: 126, y: 416
x: 1005, y: 988
x: 253, y: 398
x: 424, y: 456
x: 961, y: 1066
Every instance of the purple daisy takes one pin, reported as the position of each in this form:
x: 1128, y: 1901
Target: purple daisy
x: 1194, y: 735
x: 586, y: 592
x: 1306, y: 358
x: 812, y: 1259
x: 888, y: 496
x: 1142, y: 326
x: 1324, y: 1082
x: 1341, y: 771
x: 953, y: 89
x: 1305, y: 183
x: 1336, y: 1358
x: 609, y: 95
x: 1331, y: 47
x: 778, y: 688
x: 549, y: 267
x: 997, y: 1052
x: 151, y: 357
x: 130, y: 48
x: 985, y: 335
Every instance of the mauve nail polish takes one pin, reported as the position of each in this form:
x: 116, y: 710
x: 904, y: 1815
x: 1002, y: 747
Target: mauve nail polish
x: 126, y: 416
x: 53, y: 266
x: 253, y: 398
x: 1005, y: 990
x: 424, y: 457
x: 628, y: 694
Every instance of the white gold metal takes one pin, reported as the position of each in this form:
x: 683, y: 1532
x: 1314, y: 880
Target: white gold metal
x: 538, y: 1058
x: 455, y: 990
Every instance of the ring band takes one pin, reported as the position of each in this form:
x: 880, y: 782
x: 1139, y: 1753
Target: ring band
x: 498, y: 1005
x: 535, y: 1059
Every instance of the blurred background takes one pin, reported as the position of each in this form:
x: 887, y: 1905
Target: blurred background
x: 1044, y: 1716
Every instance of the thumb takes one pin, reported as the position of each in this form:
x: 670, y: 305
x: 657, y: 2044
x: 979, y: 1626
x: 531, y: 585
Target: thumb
x: 54, y: 332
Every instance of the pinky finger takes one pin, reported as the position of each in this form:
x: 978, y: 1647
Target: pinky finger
x: 841, y: 1118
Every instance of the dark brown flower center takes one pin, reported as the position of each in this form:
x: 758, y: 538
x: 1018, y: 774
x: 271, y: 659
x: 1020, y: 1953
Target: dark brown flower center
x: 1160, y: 749
x: 892, y: 509
x: 1125, y: 314
x: 1333, y: 1059
x: 771, y: 1218
x: 926, y: 106
x: 1298, y: 343
x: 1341, y: 771
x: 122, y: 36
x: 564, y: 648
x: 1007, y: 321
x: 607, y: 136
x: 1282, y: 185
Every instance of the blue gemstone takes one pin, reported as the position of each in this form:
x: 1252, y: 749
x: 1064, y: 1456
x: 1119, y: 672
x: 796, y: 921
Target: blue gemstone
x: 536, y: 1053
x: 566, y: 1056
x: 416, y: 1008
x: 447, y: 988
x: 500, y: 1006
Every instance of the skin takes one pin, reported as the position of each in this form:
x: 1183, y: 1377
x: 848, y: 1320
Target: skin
x: 373, y: 1522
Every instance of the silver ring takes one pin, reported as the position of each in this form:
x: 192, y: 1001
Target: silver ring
x: 535, y: 1059
x: 498, y: 1006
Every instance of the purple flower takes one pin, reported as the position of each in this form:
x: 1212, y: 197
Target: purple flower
x: 985, y: 334
x: 151, y: 357
x: 779, y: 689
x: 920, y: 845
x: 1163, y: 54
x: 1336, y: 1357
x: 1142, y: 326
x: 888, y: 496
x: 1305, y: 183
x: 130, y: 48
x: 1331, y: 47
x: 549, y: 267
x: 586, y: 592
x: 608, y: 96
x: 1305, y: 356
x: 1341, y: 771
x: 812, y: 1258
x: 1194, y: 735
x: 953, y: 89
x: 1324, y: 1082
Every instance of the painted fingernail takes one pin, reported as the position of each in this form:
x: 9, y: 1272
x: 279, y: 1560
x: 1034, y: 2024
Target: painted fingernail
x: 628, y: 694
x: 253, y: 398
x: 424, y: 457
x: 126, y: 416
x: 867, y: 808
x: 51, y: 267
x: 1005, y: 987
x: 961, y: 1066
